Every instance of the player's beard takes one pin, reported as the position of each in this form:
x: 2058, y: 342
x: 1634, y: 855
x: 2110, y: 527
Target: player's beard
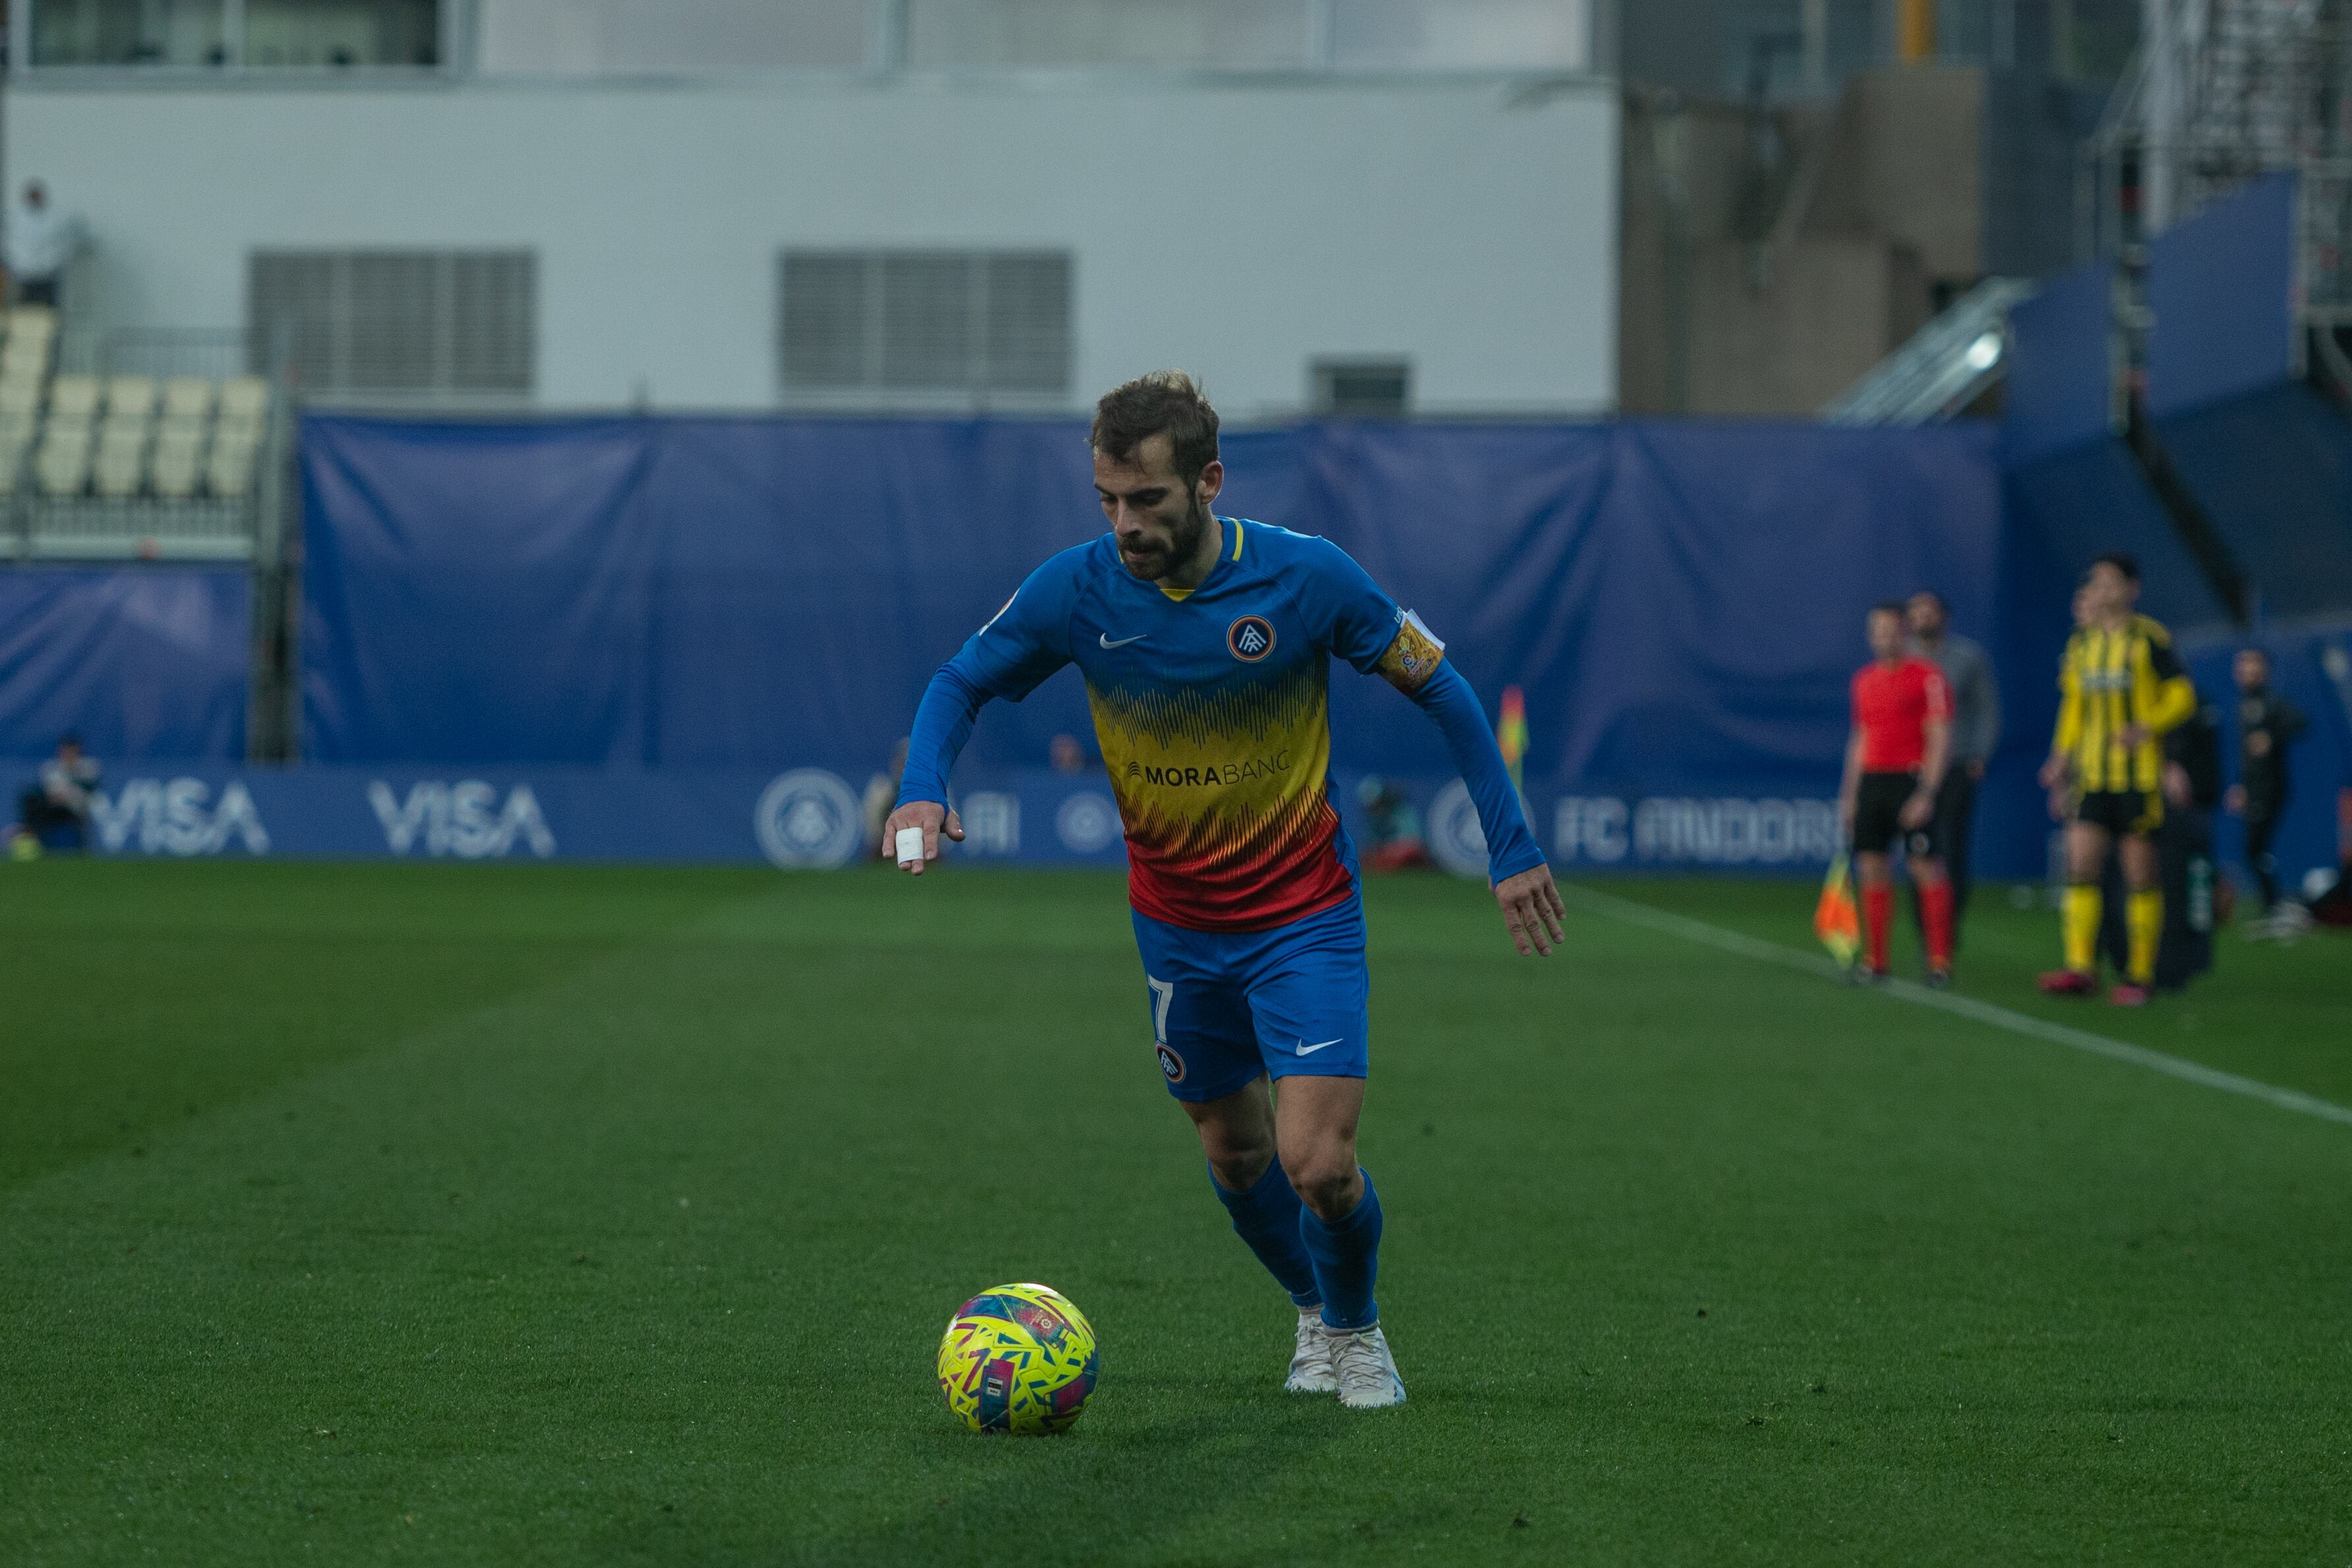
x: 1184, y: 539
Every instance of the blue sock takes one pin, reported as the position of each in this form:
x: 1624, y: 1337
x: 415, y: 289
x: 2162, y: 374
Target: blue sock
x: 1266, y: 1216
x: 1347, y: 1255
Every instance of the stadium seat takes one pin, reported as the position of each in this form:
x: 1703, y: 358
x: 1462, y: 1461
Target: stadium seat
x: 179, y: 459
x: 14, y: 443
x: 234, y: 430
x: 130, y: 397
x: 20, y: 395
x: 32, y: 335
x: 230, y: 471
x: 73, y: 399
x: 121, y: 460
x: 24, y: 362
x: 62, y: 465
x: 187, y: 399
x: 17, y: 426
x: 246, y: 396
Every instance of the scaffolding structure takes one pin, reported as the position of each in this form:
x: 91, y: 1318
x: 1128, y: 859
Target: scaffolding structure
x: 2219, y: 92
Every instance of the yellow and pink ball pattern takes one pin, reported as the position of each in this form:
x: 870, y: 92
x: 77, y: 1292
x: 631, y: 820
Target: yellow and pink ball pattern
x: 1018, y: 1358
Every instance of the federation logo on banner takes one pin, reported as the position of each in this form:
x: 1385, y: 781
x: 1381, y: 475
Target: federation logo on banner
x: 808, y: 818
x: 1455, y: 840
x: 1088, y: 823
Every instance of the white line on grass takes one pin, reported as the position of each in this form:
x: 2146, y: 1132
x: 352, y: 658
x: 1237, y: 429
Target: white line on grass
x: 1683, y: 926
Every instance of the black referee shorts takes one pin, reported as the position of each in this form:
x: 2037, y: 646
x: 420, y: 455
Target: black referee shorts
x: 1879, y: 813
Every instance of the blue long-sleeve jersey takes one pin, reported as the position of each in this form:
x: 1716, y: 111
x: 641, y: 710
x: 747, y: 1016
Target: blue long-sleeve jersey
x: 1210, y: 706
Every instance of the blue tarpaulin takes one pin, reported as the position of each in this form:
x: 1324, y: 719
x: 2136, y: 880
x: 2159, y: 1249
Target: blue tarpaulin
x: 1681, y: 602
x: 2058, y: 390
x: 2222, y: 288
x: 2078, y: 504
x: 2273, y: 470
x: 142, y: 661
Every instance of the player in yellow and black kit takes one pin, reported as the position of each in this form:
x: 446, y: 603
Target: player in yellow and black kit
x: 2121, y: 687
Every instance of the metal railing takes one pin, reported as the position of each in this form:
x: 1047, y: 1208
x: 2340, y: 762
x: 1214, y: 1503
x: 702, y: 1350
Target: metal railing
x: 1946, y: 366
x: 214, y: 354
x: 85, y: 526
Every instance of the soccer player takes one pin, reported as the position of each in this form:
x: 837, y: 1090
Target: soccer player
x: 1894, y: 761
x: 1204, y: 642
x: 2120, y: 688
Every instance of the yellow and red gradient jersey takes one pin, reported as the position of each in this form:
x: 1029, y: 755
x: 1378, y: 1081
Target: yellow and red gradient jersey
x: 1212, y: 711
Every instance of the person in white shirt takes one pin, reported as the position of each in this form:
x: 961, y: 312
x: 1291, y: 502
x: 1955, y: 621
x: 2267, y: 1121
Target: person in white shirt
x: 39, y: 242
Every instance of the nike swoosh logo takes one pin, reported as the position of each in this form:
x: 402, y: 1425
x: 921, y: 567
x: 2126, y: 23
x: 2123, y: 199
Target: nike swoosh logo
x: 1307, y: 1050
x: 1105, y: 639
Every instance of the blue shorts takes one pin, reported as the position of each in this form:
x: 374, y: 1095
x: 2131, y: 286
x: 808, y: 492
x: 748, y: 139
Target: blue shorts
x: 1229, y: 1005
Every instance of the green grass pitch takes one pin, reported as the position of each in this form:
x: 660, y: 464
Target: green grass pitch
x: 411, y: 1214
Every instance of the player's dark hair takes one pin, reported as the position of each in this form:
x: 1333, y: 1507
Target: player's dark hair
x: 1166, y: 401
x: 2122, y: 560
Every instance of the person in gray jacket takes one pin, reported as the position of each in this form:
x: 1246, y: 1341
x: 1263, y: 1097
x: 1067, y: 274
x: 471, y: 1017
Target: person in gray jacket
x: 1976, y: 731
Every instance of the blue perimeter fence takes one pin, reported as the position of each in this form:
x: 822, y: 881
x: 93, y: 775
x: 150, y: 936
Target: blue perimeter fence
x: 699, y: 638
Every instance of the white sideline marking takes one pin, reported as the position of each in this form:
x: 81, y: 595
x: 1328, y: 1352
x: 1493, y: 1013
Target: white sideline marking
x: 1964, y: 1006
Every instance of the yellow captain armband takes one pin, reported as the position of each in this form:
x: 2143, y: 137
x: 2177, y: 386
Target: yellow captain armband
x: 1413, y: 658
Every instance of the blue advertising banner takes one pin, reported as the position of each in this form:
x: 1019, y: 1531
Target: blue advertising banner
x: 1681, y: 602
x: 140, y: 661
x: 814, y: 818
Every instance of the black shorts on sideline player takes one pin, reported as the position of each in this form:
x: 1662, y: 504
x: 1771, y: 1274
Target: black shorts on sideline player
x: 2126, y: 812
x: 1877, y: 817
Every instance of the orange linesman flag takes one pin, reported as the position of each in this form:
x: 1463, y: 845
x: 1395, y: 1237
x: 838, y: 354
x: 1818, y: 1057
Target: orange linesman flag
x: 1835, y: 920
x: 1511, y: 734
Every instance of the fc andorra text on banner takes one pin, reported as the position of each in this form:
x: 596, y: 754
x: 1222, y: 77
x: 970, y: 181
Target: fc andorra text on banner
x: 812, y: 818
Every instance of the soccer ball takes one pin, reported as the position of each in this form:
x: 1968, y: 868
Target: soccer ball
x: 1018, y: 1358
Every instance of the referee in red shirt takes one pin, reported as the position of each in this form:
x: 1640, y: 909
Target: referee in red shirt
x: 1893, y: 765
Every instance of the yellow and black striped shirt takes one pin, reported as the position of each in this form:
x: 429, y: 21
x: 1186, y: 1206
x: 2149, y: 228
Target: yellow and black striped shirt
x: 2108, y: 682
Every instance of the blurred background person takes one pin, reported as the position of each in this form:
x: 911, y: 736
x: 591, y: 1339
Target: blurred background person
x: 2267, y: 725
x: 1976, y: 732
x: 55, y: 813
x: 881, y: 795
x: 40, y: 243
x: 1068, y: 755
x: 2195, y: 900
x: 1397, y: 843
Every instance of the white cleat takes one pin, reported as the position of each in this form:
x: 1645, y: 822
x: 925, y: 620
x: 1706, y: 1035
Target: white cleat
x: 1311, y: 1369
x: 1368, y: 1374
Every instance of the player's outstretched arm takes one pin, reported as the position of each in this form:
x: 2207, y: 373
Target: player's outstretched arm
x: 943, y: 723
x: 1532, y: 908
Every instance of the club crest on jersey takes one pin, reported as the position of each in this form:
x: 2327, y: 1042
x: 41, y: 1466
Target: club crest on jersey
x: 1250, y: 638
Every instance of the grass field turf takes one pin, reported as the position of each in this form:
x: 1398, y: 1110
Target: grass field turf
x: 540, y: 1215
